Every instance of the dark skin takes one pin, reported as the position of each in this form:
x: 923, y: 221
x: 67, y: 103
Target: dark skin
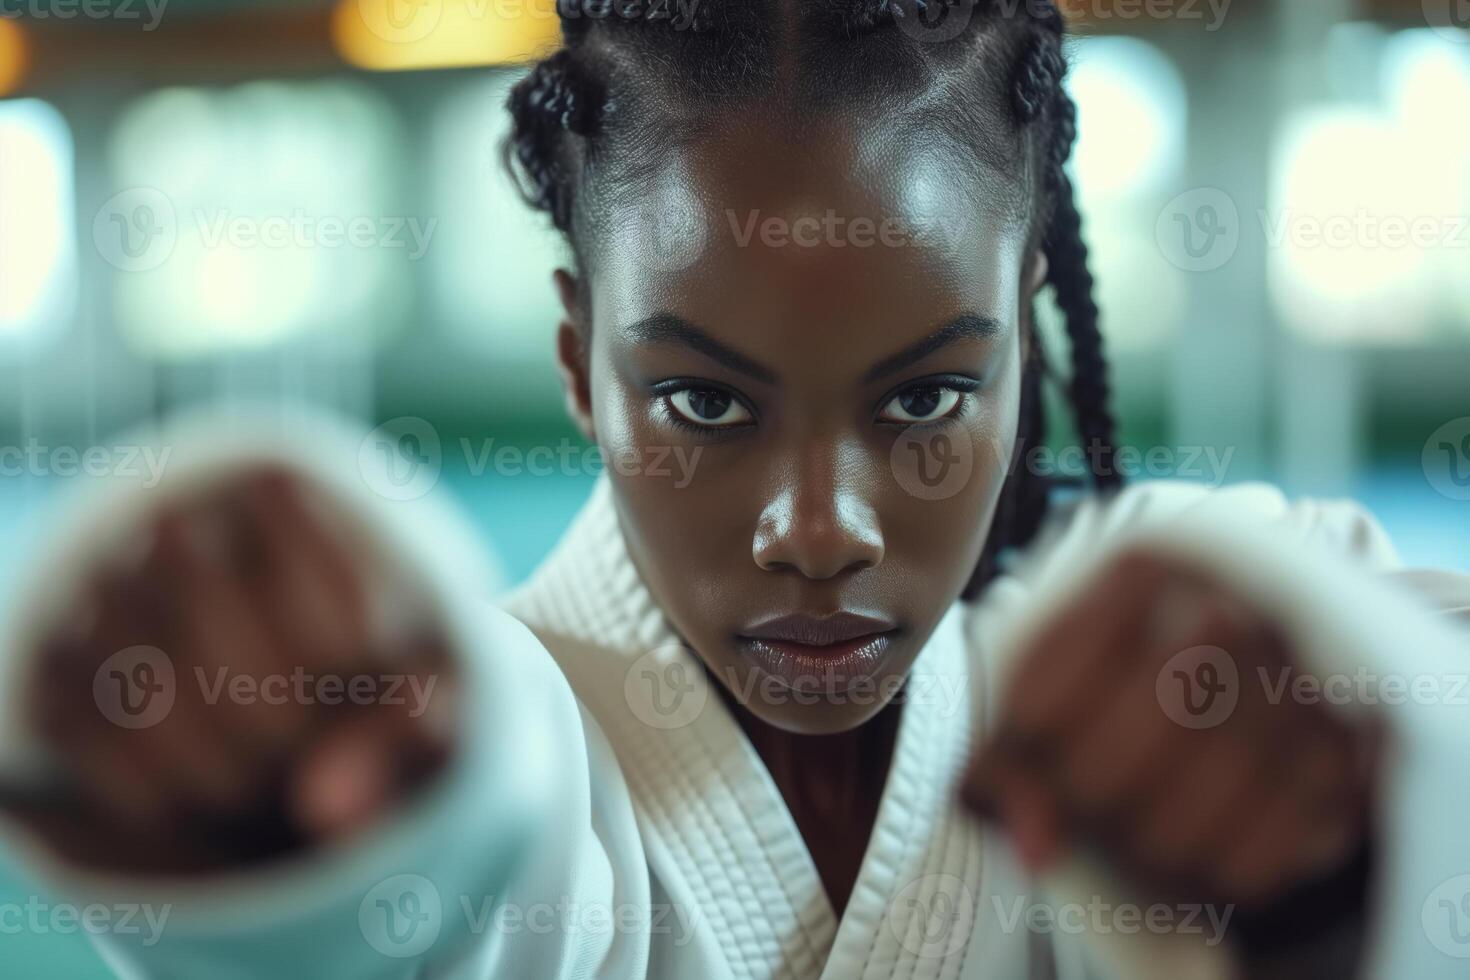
x: 832, y: 784
x: 797, y: 505
x: 794, y: 508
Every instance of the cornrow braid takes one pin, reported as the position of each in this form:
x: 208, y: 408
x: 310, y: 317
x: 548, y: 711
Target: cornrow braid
x: 613, y: 66
x: 556, y: 99
x: 1039, y: 72
x: 578, y: 16
x: 868, y: 15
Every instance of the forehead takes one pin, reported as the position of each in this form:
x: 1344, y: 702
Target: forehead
x: 826, y: 232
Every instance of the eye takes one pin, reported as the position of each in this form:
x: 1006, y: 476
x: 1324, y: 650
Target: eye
x: 922, y: 403
x: 711, y: 408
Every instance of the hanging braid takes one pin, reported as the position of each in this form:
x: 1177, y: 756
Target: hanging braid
x: 1089, y: 390
x: 1039, y: 95
x: 603, y: 94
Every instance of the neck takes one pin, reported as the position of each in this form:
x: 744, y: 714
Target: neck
x: 832, y: 785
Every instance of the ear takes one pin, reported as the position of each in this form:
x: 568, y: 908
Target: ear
x: 1039, y: 267
x: 572, y: 356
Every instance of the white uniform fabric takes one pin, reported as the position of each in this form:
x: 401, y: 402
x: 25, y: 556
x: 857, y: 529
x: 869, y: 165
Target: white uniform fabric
x: 607, y: 818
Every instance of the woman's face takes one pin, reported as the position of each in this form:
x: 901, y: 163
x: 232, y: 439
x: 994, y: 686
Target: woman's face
x: 805, y: 373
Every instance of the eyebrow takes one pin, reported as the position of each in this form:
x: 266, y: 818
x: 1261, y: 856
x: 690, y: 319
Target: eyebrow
x: 671, y: 329
x: 966, y: 326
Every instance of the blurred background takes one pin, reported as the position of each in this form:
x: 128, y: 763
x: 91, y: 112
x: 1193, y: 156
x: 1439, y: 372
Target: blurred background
x: 213, y: 201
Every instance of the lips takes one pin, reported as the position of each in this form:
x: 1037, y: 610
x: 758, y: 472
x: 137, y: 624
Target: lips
x: 825, y: 653
x: 815, y: 631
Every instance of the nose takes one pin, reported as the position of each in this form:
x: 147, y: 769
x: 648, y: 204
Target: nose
x: 818, y: 527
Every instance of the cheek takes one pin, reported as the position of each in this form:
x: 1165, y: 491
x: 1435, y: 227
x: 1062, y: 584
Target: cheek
x: 682, y: 518
x: 689, y: 508
x: 946, y: 483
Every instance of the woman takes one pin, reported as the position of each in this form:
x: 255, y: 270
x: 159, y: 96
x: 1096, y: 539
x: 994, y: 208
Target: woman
x: 808, y: 238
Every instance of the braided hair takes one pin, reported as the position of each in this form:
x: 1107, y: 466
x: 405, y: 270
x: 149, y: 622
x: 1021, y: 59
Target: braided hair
x: 603, y: 97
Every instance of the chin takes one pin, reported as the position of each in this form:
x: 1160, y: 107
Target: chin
x: 817, y: 719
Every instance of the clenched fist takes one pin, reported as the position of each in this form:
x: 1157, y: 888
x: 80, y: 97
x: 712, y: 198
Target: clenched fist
x: 227, y: 695
x: 1148, y: 722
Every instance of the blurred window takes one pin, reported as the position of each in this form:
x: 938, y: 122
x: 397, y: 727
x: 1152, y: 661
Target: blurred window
x: 38, y: 271
x: 243, y: 217
x: 1129, y: 160
x: 492, y: 279
x: 1370, y: 211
